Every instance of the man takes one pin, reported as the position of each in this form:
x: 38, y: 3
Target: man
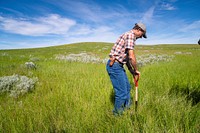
x: 123, y: 53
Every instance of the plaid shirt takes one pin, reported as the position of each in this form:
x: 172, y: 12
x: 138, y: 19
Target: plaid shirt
x: 119, y: 50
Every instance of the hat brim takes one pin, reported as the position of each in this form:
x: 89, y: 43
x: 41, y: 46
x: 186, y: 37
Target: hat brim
x: 144, y: 35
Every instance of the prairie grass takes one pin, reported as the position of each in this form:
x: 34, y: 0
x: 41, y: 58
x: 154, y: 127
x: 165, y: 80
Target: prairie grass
x: 78, y: 97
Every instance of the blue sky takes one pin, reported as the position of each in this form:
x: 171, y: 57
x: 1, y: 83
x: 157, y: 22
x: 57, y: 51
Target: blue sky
x: 41, y: 23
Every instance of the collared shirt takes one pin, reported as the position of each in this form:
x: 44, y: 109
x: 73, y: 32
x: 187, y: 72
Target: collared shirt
x: 119, y: 50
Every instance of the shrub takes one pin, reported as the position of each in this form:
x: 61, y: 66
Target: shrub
x: 86, y: 58
x: 30, y: 65
x: 17, y: 85
x: 81, y: 57
x: 152, y: 58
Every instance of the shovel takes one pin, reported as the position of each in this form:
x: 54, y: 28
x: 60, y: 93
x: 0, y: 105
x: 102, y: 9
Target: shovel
x: 136, y: 79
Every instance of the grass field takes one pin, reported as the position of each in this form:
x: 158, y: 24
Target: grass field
x: 77, y: 96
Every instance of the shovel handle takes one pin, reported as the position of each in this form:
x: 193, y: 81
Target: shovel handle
x: 136, y: 94
x: 136, y: 79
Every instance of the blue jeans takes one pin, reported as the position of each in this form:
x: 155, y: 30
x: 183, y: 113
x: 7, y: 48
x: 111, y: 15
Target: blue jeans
x: 121, y: 86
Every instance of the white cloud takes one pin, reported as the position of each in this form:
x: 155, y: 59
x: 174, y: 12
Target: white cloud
x: 80, y: 29
x: 89, y: 11
x: 52, y: 24
x: 88, y: 34
x: 195, y: 26
x: 167, y: 6
x: 148, y: 15
x: 92, y: 12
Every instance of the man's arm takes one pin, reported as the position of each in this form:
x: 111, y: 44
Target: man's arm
x: 130, y: 68
x: 132, y: 59
x: 131, y: 63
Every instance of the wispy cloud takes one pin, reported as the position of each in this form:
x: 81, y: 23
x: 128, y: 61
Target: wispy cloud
x: 102, y: 33
x: 167, y: 6
x: 148, y: 15
x: 9, y: 10
x: 195, y: 26
x: 51, y: 24
x: 92, y: 15
x: 79, y: 9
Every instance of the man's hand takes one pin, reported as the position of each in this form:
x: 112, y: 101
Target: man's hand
x: 137, y: 73
x: 136, y: 76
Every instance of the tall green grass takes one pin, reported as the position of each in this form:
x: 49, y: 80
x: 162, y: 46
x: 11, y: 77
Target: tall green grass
x: 78, y: 97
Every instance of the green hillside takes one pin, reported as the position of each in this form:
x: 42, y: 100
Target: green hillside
x: 66, y: 89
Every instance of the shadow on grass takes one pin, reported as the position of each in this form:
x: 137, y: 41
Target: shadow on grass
x: 192, y: 94
x: 112, y: 97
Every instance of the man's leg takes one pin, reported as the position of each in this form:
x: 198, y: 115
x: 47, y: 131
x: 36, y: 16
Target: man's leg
x: 128, y: 101
x: 118, y: 78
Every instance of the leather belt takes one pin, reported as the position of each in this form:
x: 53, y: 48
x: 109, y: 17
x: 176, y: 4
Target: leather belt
x: 112, y: 60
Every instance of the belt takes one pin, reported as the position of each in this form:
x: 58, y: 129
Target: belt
x: 112, y: 60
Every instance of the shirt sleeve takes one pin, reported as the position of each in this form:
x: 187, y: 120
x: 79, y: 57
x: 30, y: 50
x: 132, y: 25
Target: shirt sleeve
x: 130, y: 43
